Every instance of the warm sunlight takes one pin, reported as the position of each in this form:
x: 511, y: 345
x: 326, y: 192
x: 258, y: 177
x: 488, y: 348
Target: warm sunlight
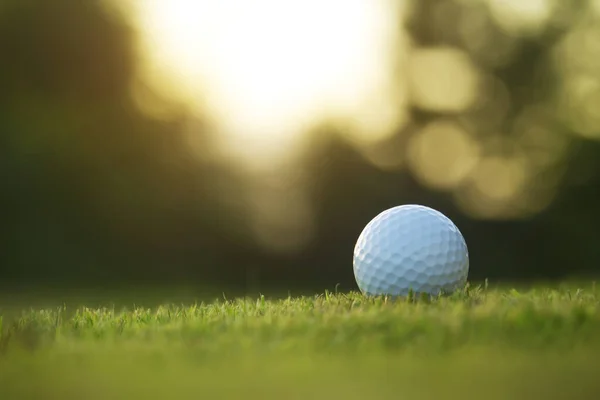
x: 266, y: 70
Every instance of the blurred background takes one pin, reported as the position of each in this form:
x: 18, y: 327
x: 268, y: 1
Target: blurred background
x: 246, y: 144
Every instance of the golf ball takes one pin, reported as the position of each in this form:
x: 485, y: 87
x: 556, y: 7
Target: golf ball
x: 410, y: 247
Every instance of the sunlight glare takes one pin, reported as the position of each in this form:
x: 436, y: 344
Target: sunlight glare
x: 267, y: 70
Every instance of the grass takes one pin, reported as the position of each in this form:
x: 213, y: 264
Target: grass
x: 477, y: 343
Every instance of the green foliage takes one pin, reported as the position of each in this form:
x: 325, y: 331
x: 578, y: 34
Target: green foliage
x: 330, y: 344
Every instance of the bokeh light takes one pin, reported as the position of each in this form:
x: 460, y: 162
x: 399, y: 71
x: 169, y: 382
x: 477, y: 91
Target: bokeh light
x: 518, y: 17
x: 442, y: 79
x: 478, y: 34
x: 442, y: 154
x: 578, y: 58
x: 387, y: 155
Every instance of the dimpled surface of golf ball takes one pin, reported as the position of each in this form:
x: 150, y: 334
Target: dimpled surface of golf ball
x: 410, y: 247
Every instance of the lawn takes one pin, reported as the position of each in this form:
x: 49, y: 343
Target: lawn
x: 480, y: 343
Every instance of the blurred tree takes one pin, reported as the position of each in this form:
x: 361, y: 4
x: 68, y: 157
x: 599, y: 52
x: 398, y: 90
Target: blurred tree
x: 92, y: 187
x: 96, y: 189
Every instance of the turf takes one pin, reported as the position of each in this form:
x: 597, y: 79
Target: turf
x: 479, y: 343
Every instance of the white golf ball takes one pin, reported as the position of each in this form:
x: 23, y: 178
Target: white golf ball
x: 410, y: 247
